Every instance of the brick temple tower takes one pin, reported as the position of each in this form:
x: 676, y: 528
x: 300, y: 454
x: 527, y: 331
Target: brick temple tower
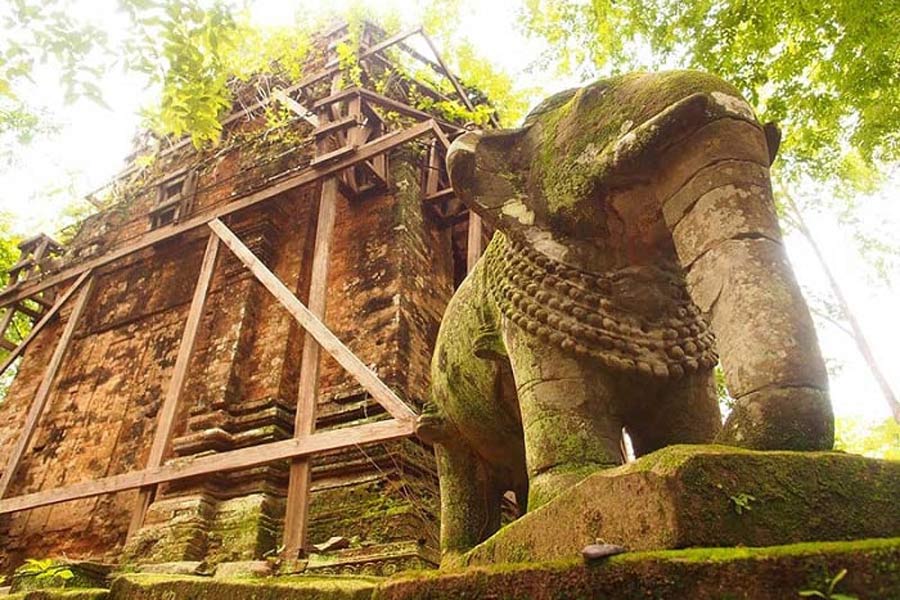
x: 226, y: 359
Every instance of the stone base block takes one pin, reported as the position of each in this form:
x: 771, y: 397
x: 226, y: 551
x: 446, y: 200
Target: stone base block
x: 774, y: 573
x: 708, y: 496
x: 246, y: 568
x: 374, y: 560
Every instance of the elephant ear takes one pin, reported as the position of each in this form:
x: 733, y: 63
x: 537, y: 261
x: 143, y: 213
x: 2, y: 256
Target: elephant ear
x: 487, y: 173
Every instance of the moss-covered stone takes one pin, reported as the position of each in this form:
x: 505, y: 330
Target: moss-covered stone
x: 59, y: 594
x: 59, y: 573
x: 872, y: 571
x: 696, y: 496
x: 168, y: 587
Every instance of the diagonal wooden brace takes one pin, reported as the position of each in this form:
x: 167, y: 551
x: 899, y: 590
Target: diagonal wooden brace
x: 329, y: 342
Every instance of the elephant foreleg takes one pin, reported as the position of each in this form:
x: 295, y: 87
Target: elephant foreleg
x: 470, y: 500
x: 570, y: 415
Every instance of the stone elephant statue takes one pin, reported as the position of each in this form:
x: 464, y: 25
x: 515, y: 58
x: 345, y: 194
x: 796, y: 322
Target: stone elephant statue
x: 636, y: 243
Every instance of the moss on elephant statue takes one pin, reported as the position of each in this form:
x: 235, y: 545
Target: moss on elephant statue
x: 636, y: 243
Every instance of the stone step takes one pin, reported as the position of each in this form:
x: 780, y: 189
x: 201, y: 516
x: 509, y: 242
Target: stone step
x: 869, y: 567
x: 708, y: 496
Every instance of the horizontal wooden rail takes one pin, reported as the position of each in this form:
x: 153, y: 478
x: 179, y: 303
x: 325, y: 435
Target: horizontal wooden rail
x: 335, y: 439
x: 363, y: 153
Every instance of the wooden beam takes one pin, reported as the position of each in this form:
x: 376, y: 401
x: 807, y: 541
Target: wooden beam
x: 44, y: 320
x: 166, y: 421
x: 441, y: 136
x: 296, y: 107
x: 242, y: 458
x: 296, y: 517
x: 4, y: 325
x: 324, y: 159
x: 327, y: 72
x: 329, y: 342
x: 439, y: 196
x: 365, y: 152
x: 452, y: 78
x: 384, y: 102
x: 474, y: 241
x: 305, y: 82
x: 343, y: 123
x: 433, y: 175
x: 43, y: 392
x: 403, y: 109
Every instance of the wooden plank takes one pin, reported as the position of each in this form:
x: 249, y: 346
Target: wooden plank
x: 4, y: 325
x: 452, y: 78
x: 366, y: 152
x: 403, y: 109
x: 34, y: 314
x: 323, y: 159
x: 242, y: 458
x: 43, y: 392
x: 327, y: 72
x: 440, y: 196
x: 329, y: 342
x: 296, y: 517
x: 384, y: 102
x: 44, y: 320
x: 433, y: 176
x: 343, y: 123
x: 474, y: 241
x: 234, y: 115
x: 166, y: 421
x: 441, y: 136
x: 296, y: 107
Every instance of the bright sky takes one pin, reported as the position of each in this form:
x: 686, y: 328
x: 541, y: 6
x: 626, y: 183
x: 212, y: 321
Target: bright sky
x: 92, y: 145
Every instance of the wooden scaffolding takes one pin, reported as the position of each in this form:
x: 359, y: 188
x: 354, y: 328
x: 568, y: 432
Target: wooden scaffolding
x: 352, y: 142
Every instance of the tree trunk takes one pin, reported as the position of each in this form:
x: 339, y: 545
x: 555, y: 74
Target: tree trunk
x: 855, y: 330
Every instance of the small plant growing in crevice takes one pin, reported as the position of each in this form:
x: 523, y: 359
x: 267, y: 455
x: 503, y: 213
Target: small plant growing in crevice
x: 46, y: 571
x: 741, y: 502
x: 829, y: 593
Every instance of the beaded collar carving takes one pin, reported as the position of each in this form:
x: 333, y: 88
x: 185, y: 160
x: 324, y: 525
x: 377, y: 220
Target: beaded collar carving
x: 577, y: 311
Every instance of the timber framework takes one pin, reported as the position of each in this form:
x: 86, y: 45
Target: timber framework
x: 353, y: 129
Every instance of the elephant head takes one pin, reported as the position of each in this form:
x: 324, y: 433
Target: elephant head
x: 670, y: 171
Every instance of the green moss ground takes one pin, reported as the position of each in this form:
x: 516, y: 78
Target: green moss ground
x: 80, y: 594
x: 778, y: 572
x: 169, y: 587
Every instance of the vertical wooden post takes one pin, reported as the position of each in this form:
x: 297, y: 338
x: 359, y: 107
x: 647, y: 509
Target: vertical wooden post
x: 166, y: 420
x: 43, y: 392
x: 4, y: 325
x: 433, y: 174
x: 474, y: 243
x: 297, y: 512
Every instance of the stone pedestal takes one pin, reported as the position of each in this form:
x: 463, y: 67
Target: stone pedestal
x: 709, y: 496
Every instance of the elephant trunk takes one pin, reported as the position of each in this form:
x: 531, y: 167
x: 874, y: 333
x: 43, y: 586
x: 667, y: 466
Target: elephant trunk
x: 717, y: 202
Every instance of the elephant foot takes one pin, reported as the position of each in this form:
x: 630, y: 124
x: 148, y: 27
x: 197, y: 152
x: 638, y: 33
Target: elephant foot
x: 798, y: 418
x: 548, y: 484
